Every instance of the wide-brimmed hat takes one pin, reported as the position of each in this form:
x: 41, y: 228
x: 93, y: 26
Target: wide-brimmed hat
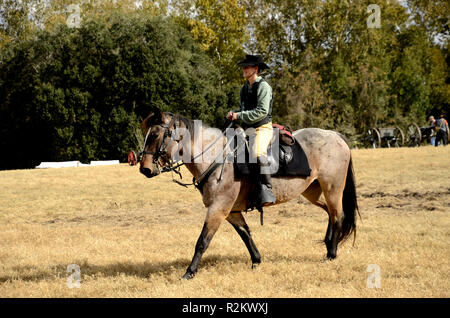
x: 253, y: 60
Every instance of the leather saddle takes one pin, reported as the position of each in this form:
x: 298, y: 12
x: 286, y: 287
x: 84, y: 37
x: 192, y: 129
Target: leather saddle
x: 285, y: 154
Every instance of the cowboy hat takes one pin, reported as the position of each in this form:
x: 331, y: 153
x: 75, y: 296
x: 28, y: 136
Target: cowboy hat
x: 253, y: 60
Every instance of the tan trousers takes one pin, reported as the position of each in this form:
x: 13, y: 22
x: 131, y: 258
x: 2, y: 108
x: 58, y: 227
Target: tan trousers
x: 262, y: 140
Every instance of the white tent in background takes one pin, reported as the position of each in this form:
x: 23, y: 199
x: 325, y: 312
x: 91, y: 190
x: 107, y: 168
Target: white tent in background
x: 104, y: 162
x: 62, y: 164
x: 66, y: 164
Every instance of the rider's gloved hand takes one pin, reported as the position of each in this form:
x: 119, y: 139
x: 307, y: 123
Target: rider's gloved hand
x: 232, y: 116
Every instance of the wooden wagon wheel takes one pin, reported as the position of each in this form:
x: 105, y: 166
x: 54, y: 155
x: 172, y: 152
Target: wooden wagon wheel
x: 132, y: 158
x: 377, y: 138
x: 399, y: 137
x: 373, y: 138
x: 414, y: 136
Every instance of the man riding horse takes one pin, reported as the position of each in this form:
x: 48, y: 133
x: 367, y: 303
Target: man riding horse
x: 330, y: 184
x: 256, y: 112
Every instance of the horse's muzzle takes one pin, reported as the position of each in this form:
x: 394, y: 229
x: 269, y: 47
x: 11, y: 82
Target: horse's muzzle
x: 148, y: 172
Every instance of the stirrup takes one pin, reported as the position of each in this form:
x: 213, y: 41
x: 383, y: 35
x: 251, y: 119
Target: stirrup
x: 266, y: 195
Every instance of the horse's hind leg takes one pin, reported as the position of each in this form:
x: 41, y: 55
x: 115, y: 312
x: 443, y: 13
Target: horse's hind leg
x: 333, y: 197
x: 313, y: 193
x: 237, y: 220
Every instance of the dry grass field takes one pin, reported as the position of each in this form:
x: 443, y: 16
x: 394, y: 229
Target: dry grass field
x: 134, y: 237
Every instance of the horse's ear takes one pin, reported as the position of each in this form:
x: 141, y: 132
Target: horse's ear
x: 155, y: 117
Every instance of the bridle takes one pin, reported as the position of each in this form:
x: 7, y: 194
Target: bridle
x: 171, y: 166
x: 162, y: 148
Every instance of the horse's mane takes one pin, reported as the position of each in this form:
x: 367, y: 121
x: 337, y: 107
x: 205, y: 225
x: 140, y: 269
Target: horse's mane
x: 189, y: 123
x: 190, y: 126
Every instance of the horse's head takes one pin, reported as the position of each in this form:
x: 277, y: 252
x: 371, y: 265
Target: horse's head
x: 158, y: 145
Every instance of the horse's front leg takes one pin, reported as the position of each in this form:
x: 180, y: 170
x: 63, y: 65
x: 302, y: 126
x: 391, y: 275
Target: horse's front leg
x: 237, y: 220
x: 214, y: 218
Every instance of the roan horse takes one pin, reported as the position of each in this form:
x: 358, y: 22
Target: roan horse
x: 225, y: 195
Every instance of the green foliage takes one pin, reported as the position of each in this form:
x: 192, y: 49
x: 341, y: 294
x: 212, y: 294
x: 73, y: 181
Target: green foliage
x: 332, y: 71
x: 80, y: 93
x: 219, y: 26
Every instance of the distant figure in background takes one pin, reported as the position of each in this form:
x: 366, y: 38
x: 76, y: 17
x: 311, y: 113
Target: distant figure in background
x: 432, y: 138
x: 445, y: 130
x: 432, y: 120
x: 441, y: 128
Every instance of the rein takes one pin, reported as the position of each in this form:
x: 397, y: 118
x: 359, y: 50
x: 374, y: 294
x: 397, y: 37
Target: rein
x: 176, y: 168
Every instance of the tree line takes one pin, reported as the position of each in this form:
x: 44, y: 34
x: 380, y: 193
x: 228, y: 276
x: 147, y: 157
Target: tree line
x: 76, y: 79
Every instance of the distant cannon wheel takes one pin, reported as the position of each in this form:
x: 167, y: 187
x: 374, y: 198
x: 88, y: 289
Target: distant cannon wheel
x: 414, y: 136
x: 372, y: 138
x: 399, y: 137
x: 377, y: 138
x: 132, y: 158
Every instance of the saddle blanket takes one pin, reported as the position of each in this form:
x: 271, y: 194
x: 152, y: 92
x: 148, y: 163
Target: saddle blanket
x: 290, y: 159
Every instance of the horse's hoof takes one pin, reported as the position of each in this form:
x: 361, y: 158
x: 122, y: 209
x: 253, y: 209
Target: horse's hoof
x: 255, y: 265
x: 188, y: 276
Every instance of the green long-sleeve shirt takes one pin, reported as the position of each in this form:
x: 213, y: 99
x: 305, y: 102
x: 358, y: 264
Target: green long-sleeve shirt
x: 261, y: 110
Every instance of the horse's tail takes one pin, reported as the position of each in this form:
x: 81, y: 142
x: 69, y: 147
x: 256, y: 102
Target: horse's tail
x: 349, y: 205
